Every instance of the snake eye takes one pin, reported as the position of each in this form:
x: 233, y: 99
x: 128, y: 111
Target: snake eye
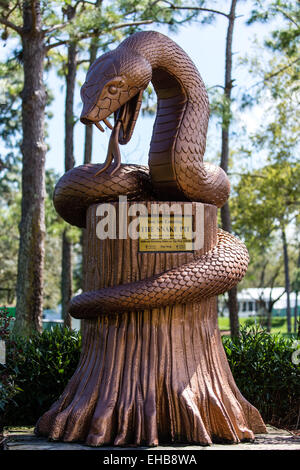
x: 112, y: 89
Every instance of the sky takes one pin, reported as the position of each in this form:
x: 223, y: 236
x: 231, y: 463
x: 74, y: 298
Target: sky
x: 205, y: 44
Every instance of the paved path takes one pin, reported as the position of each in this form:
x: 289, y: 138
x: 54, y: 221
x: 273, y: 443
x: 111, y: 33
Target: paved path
x: 276, y: 439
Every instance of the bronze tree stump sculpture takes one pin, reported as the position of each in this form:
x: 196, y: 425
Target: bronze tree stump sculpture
x: 152, y: 369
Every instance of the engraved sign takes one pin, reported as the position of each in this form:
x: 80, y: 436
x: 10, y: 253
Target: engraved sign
x: 162, y: 233
x: 2, y: 352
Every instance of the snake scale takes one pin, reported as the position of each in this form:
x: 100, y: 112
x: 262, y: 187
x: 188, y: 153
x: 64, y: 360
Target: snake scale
x: 115, y: 84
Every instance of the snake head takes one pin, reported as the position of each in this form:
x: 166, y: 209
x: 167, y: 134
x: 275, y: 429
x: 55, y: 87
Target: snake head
x: 114, y: 84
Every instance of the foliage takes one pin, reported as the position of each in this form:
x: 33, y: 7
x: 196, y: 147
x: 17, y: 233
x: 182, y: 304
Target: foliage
x: 9, y: 240
x: 10, y: 88
x: 4, y: 323
x: 266, y: 200
x: 220, y: 107
x: 266, y: 266
x: 267, y: 197
x: 287, y: 37
x: 11, y: 84
x: 8, y: 373
x: 265, y: 205
x: 262, y: 367
x: 45, y: 363
x: 10, y: 207
x: 279, y: 132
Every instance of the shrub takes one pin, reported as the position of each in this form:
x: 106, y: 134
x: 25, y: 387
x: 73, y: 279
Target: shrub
x: 8, y: 373
x: 249, y: 322
x: 262, y: 367
x: 45, y: 362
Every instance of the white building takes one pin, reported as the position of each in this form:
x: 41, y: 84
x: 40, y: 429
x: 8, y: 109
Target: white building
x: 249, y: 301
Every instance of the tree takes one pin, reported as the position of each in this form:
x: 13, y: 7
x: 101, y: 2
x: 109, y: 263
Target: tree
x: 286, y: 37
x: 88, y: 146
x: 265, y: 273
x: 27, y: 21
x: 40, y: 27
x: 35, y: 23
x: 296, y: 289
x: 278, y: 137
x: 277, y: 85
x: 32, y: 225
x: 10, y: 214
x: 66, y: 266
x: 9, y: 240
x: 225, y: 211
x: 266, y: 202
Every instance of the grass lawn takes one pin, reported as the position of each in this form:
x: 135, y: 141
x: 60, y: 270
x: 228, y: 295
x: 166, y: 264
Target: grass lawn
x: 279, y: 324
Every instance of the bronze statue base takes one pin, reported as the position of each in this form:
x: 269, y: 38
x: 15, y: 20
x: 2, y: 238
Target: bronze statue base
x: 153, y: 376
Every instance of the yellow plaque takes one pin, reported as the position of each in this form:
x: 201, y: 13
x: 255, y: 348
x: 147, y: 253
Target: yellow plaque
x: 166, y: 233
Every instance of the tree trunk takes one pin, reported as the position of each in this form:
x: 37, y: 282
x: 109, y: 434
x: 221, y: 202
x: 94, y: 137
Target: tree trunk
x: 150, y: 376
x: 66, y: 278
x: 225, y: 210
x: 269, y: 316
x: 287, y: 280
x: 88, y: 141
x: 88, y: 147
x: 296, y: 284
x: 233, y: 308
x: 29, y: 307
x: 67, y: 274
x: 296, y: 312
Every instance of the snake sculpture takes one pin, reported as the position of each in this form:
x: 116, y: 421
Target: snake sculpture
x: 114, y: 85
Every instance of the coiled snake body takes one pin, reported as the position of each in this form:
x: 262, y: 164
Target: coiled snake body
x: 114, y: 84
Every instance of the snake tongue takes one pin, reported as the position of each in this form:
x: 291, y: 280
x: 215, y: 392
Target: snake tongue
x: 127, y: 115
x: 113, y: 157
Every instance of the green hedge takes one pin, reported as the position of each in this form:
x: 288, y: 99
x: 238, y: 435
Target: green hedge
x: 261, y: 364
x: 42, y: 368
